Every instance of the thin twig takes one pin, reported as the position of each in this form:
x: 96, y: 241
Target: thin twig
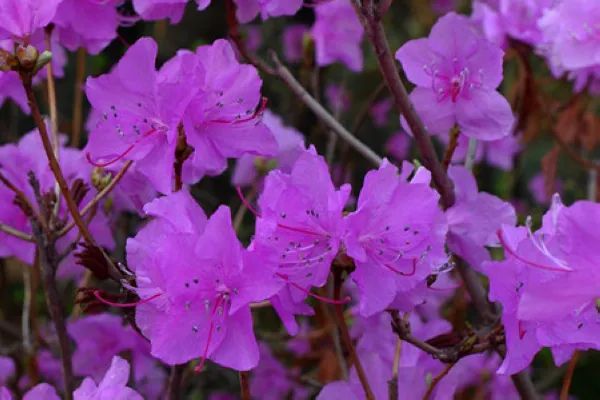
x: 437, y: 380
x: 16, y: 233
x: 566, y: 385
x: 54, y: 165
x: 77, y: 116
x: 393, y: 383
x: 26, y: 79
x: 51, y: 94
x: 244, y: 385
x: 99, y: 196
x: 286, y: 76
x: 347, y: 340
x: 48, y: 266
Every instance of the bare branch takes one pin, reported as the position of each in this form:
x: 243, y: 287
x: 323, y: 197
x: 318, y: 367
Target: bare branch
x: 286, y: 76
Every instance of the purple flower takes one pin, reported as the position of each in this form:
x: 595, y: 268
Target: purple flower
x: 247, y: 10
x: 572, y: 34
x: 338, y: 34
x: 518, y: 19
x: 456, y: 72
x: 141, y: 110
x: 225, y: 119
x: 153, y: 10
x: 28, y: 155
x: 200, y: 308
x: 547, y: 285
x: 87, y: 23
x: 301, y: 222
x: 112, y: 386
x: 41, y: 391
x: 293, y: 38
x: 396, y: 235
x: 475, y: 218
x: 290, y: 143
x: 21, y: 18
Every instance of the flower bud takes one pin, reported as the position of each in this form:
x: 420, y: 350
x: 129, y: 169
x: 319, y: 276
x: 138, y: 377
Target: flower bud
x: 27, y: 56
x: 42, y: 60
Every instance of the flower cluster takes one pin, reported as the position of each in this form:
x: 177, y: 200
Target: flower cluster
x: 324, y: 277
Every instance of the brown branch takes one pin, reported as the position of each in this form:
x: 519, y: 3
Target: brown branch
x: 566, y: 385
x: 437, y: 380
x: 346, y: 339
x: 393, y: 382
x: 371, y: 21
x: 48, y: 262
x: 54, y: 165
x: 244, y: 385
x: 451, y: 148
x: 77, y: 117
x: 182, y: 152
x: 99, y: 196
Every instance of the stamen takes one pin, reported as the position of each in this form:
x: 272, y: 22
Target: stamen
x: 256, y: 114
x: 246, y: 203
x: 411, y: 273
x: 327, y: 300
x: 211, y: 328
x: 97, y: 295
x: 120, y: 156
x: 523, y: 260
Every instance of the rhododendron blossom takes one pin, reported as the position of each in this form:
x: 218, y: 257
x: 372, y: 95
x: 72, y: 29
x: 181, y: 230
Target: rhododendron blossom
x: 456, y: 72
x: 21, y: 18
x: 394, y: 246
x: 196, y: 285
x: 547, y: 285
x: 301, y: 222
x: 141, y: 110
x: 247, y: 10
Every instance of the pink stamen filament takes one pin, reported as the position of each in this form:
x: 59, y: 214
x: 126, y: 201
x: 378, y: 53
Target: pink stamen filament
x: 524, y: 260
x: 211, y: 328
x: 313, y: 295
x: 256, y: 214
x: 257, y: 113
x: 120, y: 156
x: 411, y: 273
x: 98, y: 296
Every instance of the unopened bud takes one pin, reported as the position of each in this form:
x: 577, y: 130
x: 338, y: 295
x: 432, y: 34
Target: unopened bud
x: 27, y: 56
x: 42, y: 60
x: 100, y: 178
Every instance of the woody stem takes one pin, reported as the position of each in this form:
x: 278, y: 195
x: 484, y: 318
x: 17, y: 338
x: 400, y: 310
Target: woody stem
x: 345, y: 334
